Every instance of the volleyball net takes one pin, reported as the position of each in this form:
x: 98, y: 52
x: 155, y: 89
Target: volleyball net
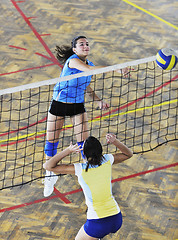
x: 142, y: 113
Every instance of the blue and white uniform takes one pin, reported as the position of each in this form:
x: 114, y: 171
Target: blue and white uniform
x: 71, y: 91
x: 103, y: 215
x: 97, y: 188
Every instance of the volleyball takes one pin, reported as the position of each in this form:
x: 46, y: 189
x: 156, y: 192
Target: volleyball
x: 166, y: 58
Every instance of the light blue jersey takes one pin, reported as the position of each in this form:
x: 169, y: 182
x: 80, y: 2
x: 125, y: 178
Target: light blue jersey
x: 71, y: 91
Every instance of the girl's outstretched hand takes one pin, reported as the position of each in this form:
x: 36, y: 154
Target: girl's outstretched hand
x: 126, y: 72
x: 110, y: 138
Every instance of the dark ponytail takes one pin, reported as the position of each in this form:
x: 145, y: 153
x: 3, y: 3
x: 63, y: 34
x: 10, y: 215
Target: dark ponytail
x: 64, y: 52
x: 93, y: 151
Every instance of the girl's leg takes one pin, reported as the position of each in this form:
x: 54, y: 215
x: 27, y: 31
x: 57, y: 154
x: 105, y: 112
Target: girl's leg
x: 81, y: 129
x: 82, y: 235
x: 54, y: 127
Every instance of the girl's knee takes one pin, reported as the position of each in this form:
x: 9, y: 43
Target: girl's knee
x: 51, y: 148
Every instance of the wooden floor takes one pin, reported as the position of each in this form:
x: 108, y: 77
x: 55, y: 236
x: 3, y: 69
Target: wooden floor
x: 146, y: 185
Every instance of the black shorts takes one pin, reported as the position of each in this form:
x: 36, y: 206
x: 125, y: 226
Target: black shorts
x: 65, y: 109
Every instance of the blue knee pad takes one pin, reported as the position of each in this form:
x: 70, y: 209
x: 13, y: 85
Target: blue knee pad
x: 51, y: 148
x: 81, y: 146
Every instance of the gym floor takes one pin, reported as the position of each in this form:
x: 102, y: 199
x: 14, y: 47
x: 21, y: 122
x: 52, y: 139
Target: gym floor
x: 118, y: 31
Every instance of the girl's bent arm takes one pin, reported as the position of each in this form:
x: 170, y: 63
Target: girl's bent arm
x: 52, y: 163
x: 62, y: 169
x: 102, y: 105
x: 125, y: 154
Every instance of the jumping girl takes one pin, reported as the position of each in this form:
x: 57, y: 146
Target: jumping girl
x: 68, y: 100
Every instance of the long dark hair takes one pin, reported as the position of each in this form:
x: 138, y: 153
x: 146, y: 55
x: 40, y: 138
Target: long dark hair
x: 93, y: 151
x: 64, y: 52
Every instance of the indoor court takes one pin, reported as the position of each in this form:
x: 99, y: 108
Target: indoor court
x: 118, y: 31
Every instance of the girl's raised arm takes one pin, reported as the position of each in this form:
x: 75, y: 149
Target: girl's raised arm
x: 125, y: 154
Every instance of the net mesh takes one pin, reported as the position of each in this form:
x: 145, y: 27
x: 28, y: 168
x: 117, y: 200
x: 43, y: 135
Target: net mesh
x: 142, y: 113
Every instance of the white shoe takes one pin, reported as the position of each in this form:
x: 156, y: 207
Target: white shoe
x: 49, y: 181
